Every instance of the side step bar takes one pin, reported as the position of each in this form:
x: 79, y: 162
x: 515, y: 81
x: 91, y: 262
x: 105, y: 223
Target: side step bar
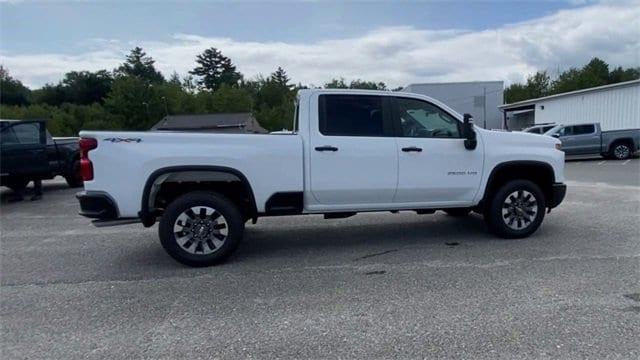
x: 116, y: 222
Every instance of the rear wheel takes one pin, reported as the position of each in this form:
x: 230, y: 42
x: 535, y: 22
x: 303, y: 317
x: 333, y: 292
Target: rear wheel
x: 201, y: 228
x: 621, y: 151
x: 516, y: 210
x: 73, y: 177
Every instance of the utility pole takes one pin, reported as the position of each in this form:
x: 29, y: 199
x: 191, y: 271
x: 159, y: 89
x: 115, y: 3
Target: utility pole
x: 484, y: 106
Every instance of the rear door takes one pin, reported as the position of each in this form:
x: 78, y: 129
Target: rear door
x: 23, y: 149
x: 353, y: 155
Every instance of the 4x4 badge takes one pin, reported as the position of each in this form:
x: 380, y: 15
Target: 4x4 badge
x: 126, y: 140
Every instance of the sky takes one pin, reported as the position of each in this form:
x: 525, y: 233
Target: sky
x: 398, y: 42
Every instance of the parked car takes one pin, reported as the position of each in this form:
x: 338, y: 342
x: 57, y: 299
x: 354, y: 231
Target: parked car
x: 588, y: 139
x: 351, y: 151
x: 539, y: 129
x: 28, y: 152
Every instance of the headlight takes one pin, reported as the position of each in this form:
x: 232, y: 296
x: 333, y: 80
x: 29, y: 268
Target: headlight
x: 559, y: 146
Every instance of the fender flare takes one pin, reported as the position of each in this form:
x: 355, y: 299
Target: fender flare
x: 148, y: 216
x: 505, y: 164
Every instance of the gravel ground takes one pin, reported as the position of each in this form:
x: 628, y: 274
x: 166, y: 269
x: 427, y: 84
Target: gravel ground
x: 371, y: 286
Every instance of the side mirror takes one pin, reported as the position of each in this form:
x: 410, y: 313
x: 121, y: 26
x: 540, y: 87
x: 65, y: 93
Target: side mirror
x: 556, y: 135
x: 469, y: 133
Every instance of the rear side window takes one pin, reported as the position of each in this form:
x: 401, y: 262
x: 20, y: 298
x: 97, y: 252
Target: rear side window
x: 583, y: 129
x: 28, y: 133
x: 351, y: 115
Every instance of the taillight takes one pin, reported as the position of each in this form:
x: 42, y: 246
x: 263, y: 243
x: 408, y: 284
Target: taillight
x: 86, y: 167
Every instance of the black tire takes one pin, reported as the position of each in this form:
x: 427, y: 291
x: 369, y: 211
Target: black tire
x: 73, y: 177
x: 620, y: 151
x: 228, y: 213
x: 506, y: 225
x: 16, y: 185
x: 457, y: 212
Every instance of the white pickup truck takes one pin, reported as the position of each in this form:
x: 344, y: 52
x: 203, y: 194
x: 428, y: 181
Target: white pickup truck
x: 350, y: 151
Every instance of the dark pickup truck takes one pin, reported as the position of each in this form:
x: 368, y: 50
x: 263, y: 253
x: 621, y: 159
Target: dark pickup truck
x: 28, y: 152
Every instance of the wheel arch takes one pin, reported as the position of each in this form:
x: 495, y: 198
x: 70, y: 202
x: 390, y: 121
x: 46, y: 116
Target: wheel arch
x: 191, y: 174
x: 625, y: 140
x: 539, y: 172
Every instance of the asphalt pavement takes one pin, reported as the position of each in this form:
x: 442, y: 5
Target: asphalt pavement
x: 376, y: 285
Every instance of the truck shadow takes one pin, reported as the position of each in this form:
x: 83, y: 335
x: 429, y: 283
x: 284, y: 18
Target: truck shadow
x: 388, y: 233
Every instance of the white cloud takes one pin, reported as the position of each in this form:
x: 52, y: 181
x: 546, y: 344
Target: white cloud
x: 395, y: 55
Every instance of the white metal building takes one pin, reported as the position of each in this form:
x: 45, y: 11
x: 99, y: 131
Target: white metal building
x: 615, y: 106
x: 478, y: 98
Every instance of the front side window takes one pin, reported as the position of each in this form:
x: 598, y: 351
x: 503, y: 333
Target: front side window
x: 351, y: 115
x: 421, y: 119
x: 566, y: 131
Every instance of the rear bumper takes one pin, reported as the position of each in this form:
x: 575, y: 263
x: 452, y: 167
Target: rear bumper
x: 558, y: 191
x: 97, y: 205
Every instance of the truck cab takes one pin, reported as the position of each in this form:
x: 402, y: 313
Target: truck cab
x: 350, y: 151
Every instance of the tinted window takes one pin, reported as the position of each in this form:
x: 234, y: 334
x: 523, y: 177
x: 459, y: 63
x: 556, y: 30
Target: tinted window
x: 351, y: 115
x: 22, y: 134
x: 583, y: 129
x: 421, y: 119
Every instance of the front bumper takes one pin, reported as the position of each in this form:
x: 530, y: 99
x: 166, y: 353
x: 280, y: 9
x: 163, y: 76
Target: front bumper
x: 558, y: 191
x: 97, y: 205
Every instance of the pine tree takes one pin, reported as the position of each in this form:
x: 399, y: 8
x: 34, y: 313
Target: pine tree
x: 280, y: 77
x: 215, y: 69
x: 140, y: 65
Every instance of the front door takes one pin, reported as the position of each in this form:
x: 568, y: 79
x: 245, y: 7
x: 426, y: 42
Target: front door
x: 353, y: 155
x: 580, y: 139
x: 434, y: 166
x: 23, y: 150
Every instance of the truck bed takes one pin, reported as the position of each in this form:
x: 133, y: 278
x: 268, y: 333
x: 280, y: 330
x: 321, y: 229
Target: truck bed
x: 123, y: 161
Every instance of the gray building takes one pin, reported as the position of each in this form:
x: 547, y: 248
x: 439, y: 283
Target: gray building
x: 478, y: 98
x: 235, y: 123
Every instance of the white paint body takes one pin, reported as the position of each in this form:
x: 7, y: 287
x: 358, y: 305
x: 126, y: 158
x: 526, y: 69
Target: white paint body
x: 366, y: 174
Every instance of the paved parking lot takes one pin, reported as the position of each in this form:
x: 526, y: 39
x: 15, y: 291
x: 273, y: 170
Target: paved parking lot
x: 371, y: 286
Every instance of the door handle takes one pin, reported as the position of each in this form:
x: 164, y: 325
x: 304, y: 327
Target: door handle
x: 326, y: 148
x: 412, y: 148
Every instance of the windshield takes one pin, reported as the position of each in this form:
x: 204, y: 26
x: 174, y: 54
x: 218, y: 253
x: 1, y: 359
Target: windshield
x: 553, y: 130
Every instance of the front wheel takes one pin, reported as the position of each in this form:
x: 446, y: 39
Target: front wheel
x: 516, y: 209
x: 201, y: 228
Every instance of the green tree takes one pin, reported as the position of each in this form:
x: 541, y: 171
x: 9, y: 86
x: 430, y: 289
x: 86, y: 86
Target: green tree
x: 139, y: 64
x: 367, y: 85
x: 336, y: 84
x: 214, y: 70
x: 12, y: 91
x: 280, y: 77
x: 84, y: 87
x: 134, y: 103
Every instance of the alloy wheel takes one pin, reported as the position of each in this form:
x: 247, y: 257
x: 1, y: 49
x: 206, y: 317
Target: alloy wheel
x: 519, y: 209
x: 621, y: 151
x: 200, y: 230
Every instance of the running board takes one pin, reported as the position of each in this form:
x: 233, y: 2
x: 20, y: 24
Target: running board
x: 116, y: 222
